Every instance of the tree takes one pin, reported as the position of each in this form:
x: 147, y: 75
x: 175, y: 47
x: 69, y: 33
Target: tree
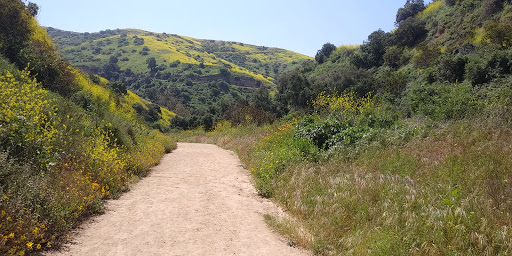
x: 450, y: 2
x: 111, y: 70
x: 492, y: 7
x: 33, y: 9
x: 375, y: 47
x: 14, y: 28
x: 294, y: 89
x: 324, y: 53
x: 261, y: 99
x: 151, y: 63
x: 410, y: 9
x: 118, y: 87
x: 410, y: 32
x: 113, y: 59
x: 362, y: 60
x: 138, y: 41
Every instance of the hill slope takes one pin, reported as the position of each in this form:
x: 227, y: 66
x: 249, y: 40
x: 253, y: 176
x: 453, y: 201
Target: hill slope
x: 68, y: 140
x: 193, y: 74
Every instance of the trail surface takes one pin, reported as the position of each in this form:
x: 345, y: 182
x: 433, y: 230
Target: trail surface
x: 198, y: 201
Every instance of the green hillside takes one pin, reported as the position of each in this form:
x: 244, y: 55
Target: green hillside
x: 68, y: 140
x: 197, y: 76
x: 399, y: 146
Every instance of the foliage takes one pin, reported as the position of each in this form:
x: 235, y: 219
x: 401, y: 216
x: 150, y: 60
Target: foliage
x: 57, y: 168
x: 27, y: 127
x: 14, y: 27
x: 410, y: 9
x: 492, y: 7
x: 410, y: 32
x: 441, y: 101
x: 375, y: 47
x: 451, y: 69
x: 62, y: 151
x: 195, y: 78
x: 499, y: 34
x: 330, y: 134
x: 323, y: 54
x: 347, y: 104
x: 421, y: 166
x: 118, y: 87
x: 294, y: 90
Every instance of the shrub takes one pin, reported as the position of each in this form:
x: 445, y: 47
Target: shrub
x: 491, y: 7
x: 393, y: 82
x: 482, y: 69
x: 320, y: 133
x: 442, y: 101
x: 451, y: 69
x: 499, y: 34
x: 118, y: 87
x: 426, y: 55
x: 394, y: 57
x: 26, y: 125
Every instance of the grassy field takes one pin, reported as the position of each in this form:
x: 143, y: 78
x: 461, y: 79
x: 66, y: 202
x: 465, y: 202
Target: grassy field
x: 420, y: 188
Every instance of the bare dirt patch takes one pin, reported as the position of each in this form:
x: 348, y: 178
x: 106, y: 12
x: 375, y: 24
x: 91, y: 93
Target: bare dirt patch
x: 198, y: 201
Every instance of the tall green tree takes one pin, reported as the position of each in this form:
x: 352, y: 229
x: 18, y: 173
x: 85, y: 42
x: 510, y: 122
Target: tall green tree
x: 294, y: 90
x: 410, y: 9
x: 323, y: 54
x: 375, y: 47
x: 14, y: 28
x: 261, y: 99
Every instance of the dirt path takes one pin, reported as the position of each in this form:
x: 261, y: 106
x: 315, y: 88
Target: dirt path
x: 198, y: 201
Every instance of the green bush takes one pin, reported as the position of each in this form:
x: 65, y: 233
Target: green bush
x: 441, y: 101
x: 488, y: 66
x: 451, y: 68
x: 330, y: 133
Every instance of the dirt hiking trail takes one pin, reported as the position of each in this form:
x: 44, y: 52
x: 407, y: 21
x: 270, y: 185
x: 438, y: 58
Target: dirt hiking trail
x: 198, y: 201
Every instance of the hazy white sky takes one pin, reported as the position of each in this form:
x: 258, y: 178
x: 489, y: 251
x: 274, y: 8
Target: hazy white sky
x: 299, y: 25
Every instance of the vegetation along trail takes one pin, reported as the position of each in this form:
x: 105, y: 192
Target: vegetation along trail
x: 198, y: 201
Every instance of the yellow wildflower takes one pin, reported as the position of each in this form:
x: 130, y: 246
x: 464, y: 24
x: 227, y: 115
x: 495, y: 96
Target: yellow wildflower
x: 95, y: 186
x: 11, y: 235
x: 29, y: 245
x: 38, y: 246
